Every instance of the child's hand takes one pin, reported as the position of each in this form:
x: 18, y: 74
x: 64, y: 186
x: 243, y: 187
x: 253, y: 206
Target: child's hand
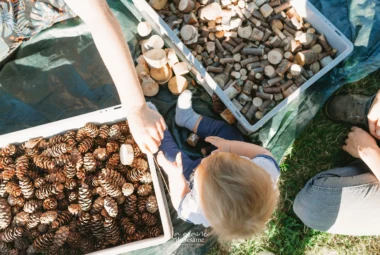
x: 223, y: 145
x: 359, y: 143
x: 171, y: 168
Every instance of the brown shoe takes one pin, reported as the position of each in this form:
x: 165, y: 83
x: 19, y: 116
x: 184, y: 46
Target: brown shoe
x: 348, y: 108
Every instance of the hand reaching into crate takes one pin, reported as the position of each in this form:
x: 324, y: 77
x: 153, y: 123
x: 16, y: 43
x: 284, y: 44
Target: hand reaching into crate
x: 146, y: 125
x: 374, y: 117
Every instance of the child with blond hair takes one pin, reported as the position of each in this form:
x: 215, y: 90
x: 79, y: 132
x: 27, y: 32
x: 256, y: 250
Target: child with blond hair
x: 233, y: 190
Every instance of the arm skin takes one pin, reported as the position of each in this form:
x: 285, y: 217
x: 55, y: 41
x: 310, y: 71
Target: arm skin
x: 240, y: 148
x: 177, y: 182
x: 146, y: 125
x: 361, y: 144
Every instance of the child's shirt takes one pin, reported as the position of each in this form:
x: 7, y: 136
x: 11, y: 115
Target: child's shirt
x: 189, y: 209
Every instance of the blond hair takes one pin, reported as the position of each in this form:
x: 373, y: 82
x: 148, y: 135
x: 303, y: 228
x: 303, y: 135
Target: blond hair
x: 236, y: 195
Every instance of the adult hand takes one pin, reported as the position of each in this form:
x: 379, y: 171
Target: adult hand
x: 374, y: 117
x: 147, y: 127
x: 359, y: 143
x: 223, y: 145
x: 171, y: 168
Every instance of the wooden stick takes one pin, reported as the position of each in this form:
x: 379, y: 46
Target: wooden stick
x: 264, y: 95
x: 274, y: 80
x: 252, y: 51
x: 306, y: 57
x: 283, y: 67
x: 214, y: 69
x: 228, y: 116
x: 237, y: 104
x: 265, y: 105
x: 247, y: 61
x: 246, y: 108
x: 282, y: 7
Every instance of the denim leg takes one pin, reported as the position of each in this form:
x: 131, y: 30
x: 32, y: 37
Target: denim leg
x: 210, y: 127
x: 341, y: 201
x: 170, y: 150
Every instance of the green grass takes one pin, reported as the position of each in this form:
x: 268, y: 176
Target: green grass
x: 317, y: 149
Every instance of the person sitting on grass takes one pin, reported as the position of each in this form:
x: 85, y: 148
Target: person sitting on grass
x: 347, y: 200
x: 233, y: 190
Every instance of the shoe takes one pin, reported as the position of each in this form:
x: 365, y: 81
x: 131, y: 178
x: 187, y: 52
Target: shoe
x: 348, y: 108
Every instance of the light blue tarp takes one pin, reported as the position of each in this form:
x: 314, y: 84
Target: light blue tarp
x: 59, y: 74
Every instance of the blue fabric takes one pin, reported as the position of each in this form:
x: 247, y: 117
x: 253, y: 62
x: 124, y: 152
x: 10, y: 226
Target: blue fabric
x: 271, y: 159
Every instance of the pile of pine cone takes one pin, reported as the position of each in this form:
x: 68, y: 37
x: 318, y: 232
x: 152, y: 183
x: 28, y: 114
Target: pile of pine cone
x: 71, y: 195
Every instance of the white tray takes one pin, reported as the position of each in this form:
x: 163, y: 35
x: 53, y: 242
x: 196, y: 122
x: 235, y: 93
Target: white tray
x: 106, y: 116
x: 304, y: 8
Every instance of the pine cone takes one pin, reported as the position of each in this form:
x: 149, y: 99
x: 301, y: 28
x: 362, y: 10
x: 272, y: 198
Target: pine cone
x: 63, y: 204
x: 89, y: 162
x: 87, y: 245
x: 154, y: 231
x: 19, y: 201
x: 43, y: 228
x: 100, y: 154
x: 141, y: 204
x: 140, y: 164
x: 146, y: 177
x: 9, y: 172
x: 71, y: 184
x: 85, y: 145
x: 103, y: 131
x: 114, y: 160
x: 21, y: 244
x: 120, y: 200
x: 81, y: 135
x: 61, y: 235
x: 84, y: 223
x: 134, y: 175
x: 3, y: 189
x: 74, y: 209
x: 27, y: 188
x: 81, y: 174
x: 127, y: 226
x: 63, y: 160
x: 97, y: 226
x: 127, y: 189
x: 32, y: 206
x: 151, y: 204
x: 32, y: 234
x: 5, y: 161
x: 100, y: 142
x: 73, y: 196
x: 114, y: 132
x: 98, y: 205
x: 43, y: 242
x: 56, y: 177
x: 136, y: 150
x: 15, y: 209
x: 149, y: 218
x: 124, y: 127
x: 5, y: 214
x: 57, y: 150
x: 103, y: 193
x: 11, y: 234
x: 62, y: 219
x: 8, y: 150
x: 44, y: 162
x: 130, y: 206
x: 112, y: 147
x: 70, y: 170
x: 96, y: 182
x: 122, y: 169
x: 111, y: 230
x: 85, y: 199
x: 43, y: 144
x: 115, y: 176
x: 22, y: 167
x: 138, y: 235
x: 34, y: 220
x: 50, y: 203
x: 91, y: 130
x: 21, y: 219
x: 111, y: 207
x: 48, y: 217
x: 144, y: 190
x: 57, y: 139
x: 48, y: 190
x: 13, y: 189
x: 5, y: 248
x: 39, y: 182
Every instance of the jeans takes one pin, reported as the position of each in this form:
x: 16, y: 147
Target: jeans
x: 342, y: 201
x: 207, y: 127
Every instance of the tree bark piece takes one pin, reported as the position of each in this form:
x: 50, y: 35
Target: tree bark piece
x: 177, y: 85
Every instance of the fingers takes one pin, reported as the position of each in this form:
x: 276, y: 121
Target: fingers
x: 163, y: 123
x: 354, y: 128
x: 160, y: 131
x: 213, y: 140
x: 178, y: 159
x: 344, y: 147
x: 215, y: 151
x: 161, y: 159
x: 152, y: 144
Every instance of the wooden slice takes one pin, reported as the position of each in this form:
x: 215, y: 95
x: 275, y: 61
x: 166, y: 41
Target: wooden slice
x: 144, y: 29
x: 156, y: 58
x: 171, y: 56
x: 161, y: 75
x: 149, y: 86
x: 275, y: 57
x: 158, y: 4
x: 306, y: 57
x: 188, y: 32
x: 126, y: 154
x: 269, y: 71
x: 154, y: 42
x: 177, y: 85
x: 245, y: 32
x: 186, y: 6
x: 210, y: 12
x: 180, y: 68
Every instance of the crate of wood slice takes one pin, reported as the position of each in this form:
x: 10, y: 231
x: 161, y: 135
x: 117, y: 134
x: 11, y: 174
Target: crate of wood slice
x: 79, y: 186
x: 255, y: 56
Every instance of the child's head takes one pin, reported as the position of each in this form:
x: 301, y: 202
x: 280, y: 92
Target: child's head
x: 237, y: 196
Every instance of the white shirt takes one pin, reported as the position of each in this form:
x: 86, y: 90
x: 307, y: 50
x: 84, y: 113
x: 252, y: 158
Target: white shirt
x: 189, y: 208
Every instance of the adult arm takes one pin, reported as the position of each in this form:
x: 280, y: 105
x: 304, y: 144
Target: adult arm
x: 248, y: 150
x: 362, y: 145
x: 374, y: 117
x: 146, y: 125
x: 177, y: 182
